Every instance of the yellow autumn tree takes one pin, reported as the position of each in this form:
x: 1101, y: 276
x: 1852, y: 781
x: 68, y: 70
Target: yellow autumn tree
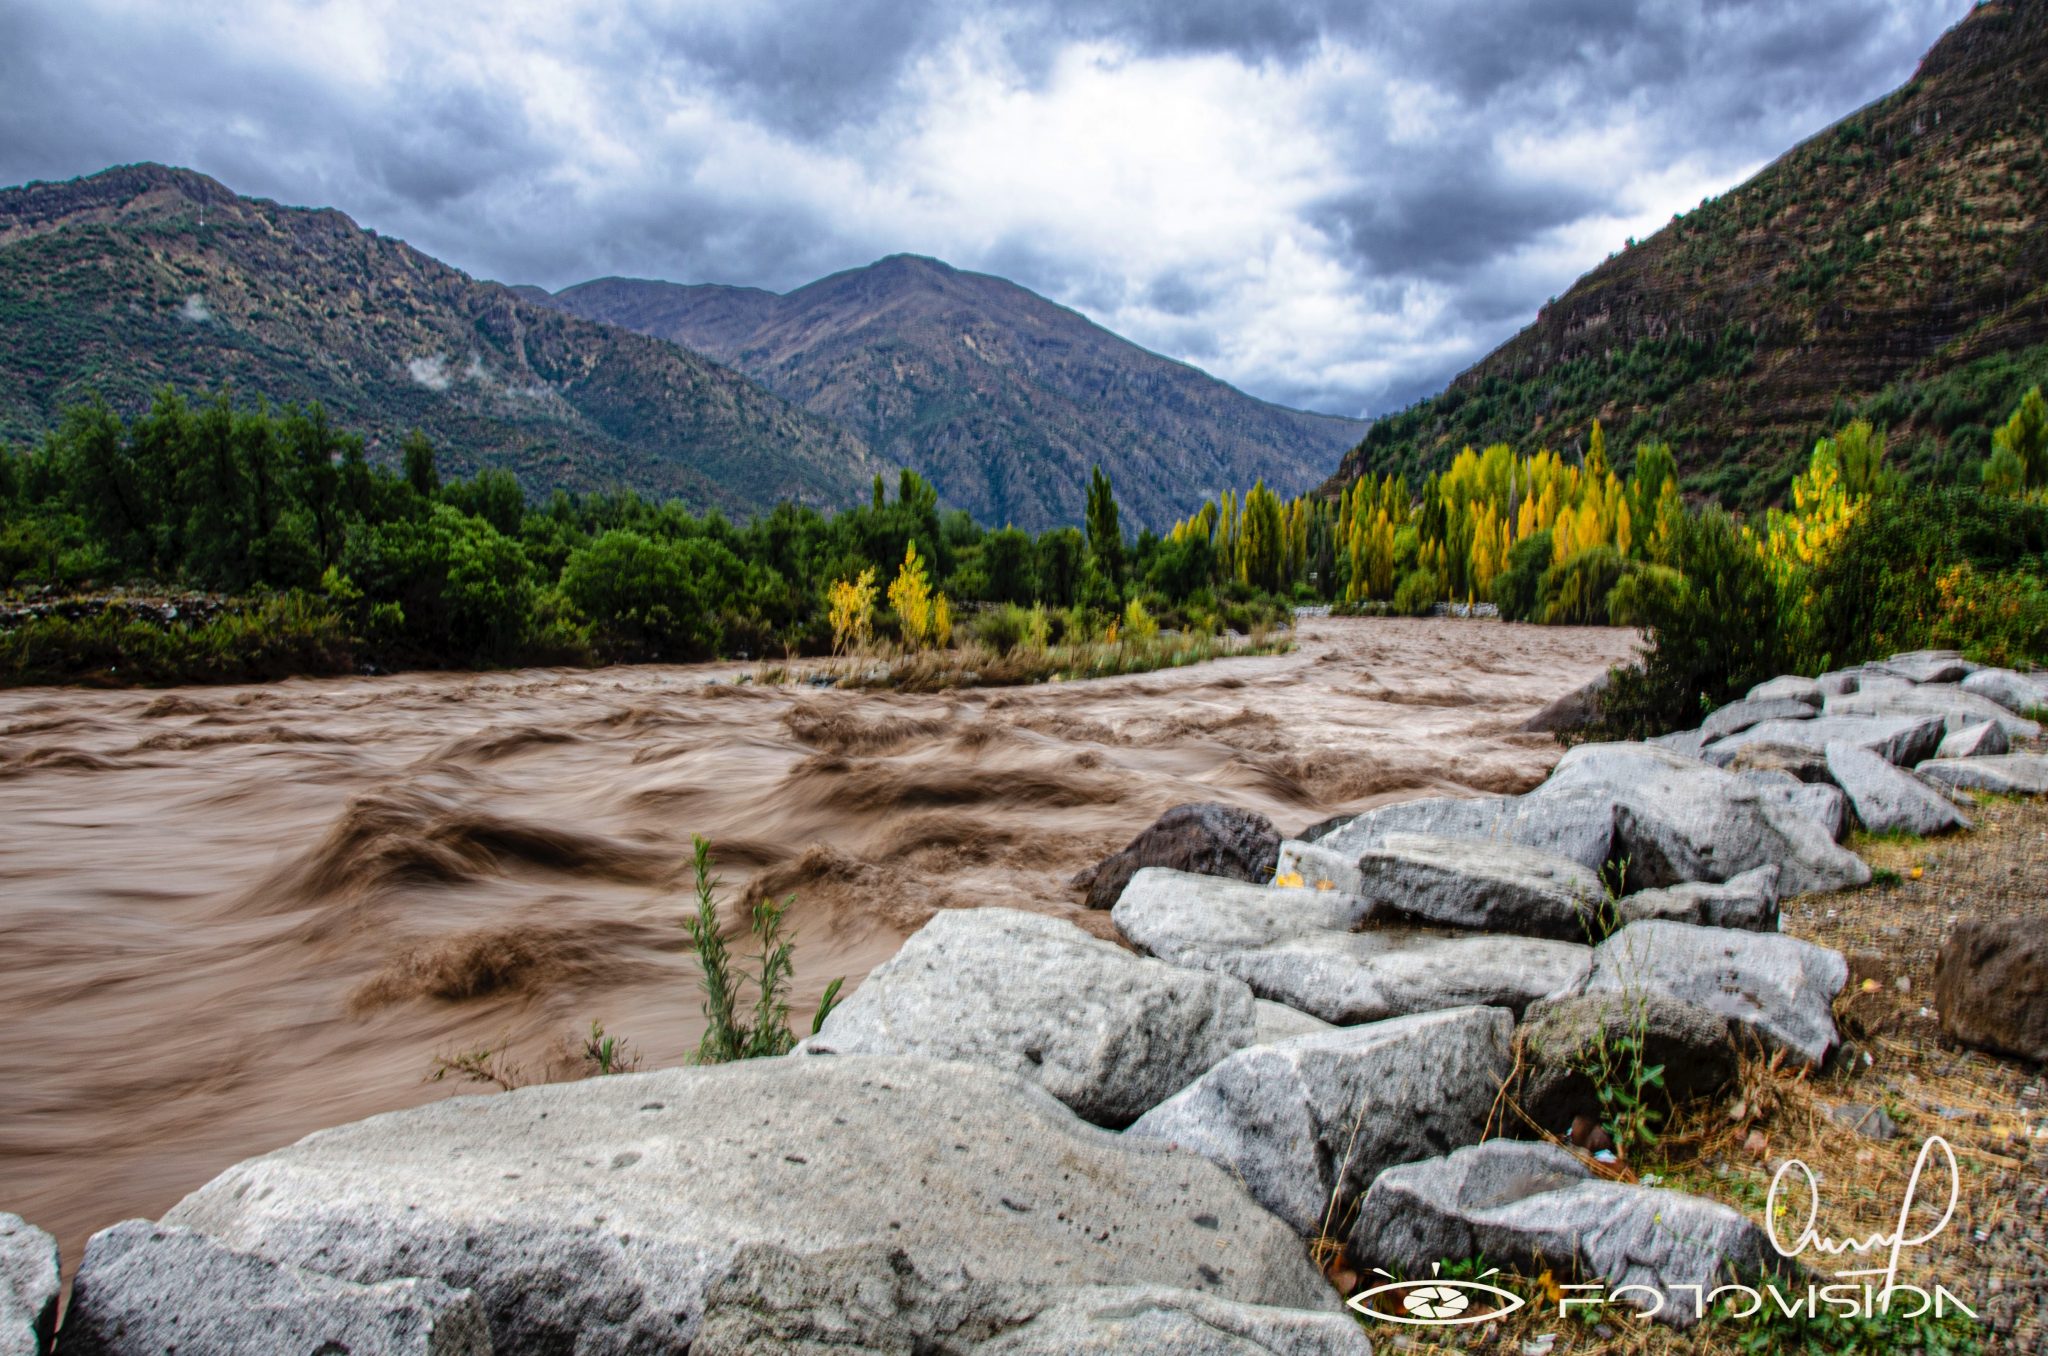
x: 911, y: 596
x: 851, y: 606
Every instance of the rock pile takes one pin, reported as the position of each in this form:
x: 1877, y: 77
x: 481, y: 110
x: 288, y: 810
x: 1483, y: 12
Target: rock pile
x: 1016, y: 1138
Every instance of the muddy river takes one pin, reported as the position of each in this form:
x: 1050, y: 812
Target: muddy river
x: 230, y: 916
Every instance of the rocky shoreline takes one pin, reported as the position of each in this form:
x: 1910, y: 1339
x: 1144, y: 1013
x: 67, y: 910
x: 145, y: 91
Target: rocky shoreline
x: 1014, y: 1137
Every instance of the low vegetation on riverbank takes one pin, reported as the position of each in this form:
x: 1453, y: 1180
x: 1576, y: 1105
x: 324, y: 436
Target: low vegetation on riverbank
x: 318, y: 561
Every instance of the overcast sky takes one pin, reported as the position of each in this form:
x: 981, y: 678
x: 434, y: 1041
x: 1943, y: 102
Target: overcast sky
x: 1333, y: 205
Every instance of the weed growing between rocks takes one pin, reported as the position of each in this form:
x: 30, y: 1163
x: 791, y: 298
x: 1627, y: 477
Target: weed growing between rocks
x: 730, y: 1035
x: 598, y: 1056
x: 1628, y: 1085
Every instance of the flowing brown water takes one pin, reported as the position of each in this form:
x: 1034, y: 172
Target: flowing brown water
x: 230, y: 916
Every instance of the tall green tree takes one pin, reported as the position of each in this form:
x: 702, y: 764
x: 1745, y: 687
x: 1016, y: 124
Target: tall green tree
x: 2019, y: 448
x: 420, y: 471
x: 1105, y: 531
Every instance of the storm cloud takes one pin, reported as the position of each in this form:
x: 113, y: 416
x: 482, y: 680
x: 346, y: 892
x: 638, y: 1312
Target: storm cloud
x: 1333, y: 205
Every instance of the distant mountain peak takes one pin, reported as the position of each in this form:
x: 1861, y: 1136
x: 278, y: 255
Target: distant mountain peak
x: 1003, y: 399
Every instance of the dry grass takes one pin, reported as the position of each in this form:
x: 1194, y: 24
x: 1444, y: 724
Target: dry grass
x: 973, y: 664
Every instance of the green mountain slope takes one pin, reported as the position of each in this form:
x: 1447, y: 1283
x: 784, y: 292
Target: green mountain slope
x: 144, y: 275
x: 1895, y: 265
x: 1001, y: 398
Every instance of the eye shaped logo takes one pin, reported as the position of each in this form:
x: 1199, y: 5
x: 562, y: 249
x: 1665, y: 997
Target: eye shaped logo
x: 1436, y: 1302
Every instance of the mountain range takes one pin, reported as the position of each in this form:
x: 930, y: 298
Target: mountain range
x: 1893, y: 266
x: 144, y: 276
x: 1001, y: 398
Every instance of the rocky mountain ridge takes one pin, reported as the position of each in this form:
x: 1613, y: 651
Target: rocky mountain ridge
x: 1003, y: 399
x: 144, y: 275
x: 1893, y: 266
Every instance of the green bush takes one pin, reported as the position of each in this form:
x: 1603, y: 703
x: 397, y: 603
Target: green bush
x: 651, y: 598
x: 1516, y: 588
x: 459, y: 585
x: 1713, y: 632
x: 731, y: 1034
x: 1002, y: 628
x: 1932, y: 567
x: 1416, y: 594
x: 1574, y: 591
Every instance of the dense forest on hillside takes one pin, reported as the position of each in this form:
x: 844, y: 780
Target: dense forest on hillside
x: 1891, y: 268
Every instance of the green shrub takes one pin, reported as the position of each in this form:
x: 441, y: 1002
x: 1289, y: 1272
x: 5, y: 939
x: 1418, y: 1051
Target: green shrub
x: 1002, y: 628
x: 1416, y: 594
x: 276, y: 638
x: 1932, y: 567
x: 651, y: 598
x: 461, y: 587
x: 1713, y: 633
x: 1516, y: 588
x: 1574, y: 591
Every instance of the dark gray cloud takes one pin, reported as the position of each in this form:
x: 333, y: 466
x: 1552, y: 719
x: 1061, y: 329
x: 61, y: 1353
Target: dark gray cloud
x: 1331, y: 204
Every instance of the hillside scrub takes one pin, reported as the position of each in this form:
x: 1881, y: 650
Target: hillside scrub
x: 329, y: 563
x: 1863, y: 566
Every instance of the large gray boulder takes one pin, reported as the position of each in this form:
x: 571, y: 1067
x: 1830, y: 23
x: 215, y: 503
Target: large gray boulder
x: 1108, y: 1033
x: 28, y: 1287
x: 1688, y: 743
x: 1570, y: 1046
x: 2007, y: 774
x: 1749, y: 901
x: 1790, y: 686
x: 594, y: 1216
x: 1887, y: 799
x: 1678, y: 820
x: 1311, y: 950
x: 1738, y: 716
x: 876, y: 1299
x: 1277, y: 1022
x: 1953, y: 706
x: 1532, y: 1207
x: 1900, y: 739
x: 1308, y: 1123
x: 1486, y: 886
x: 1983, y: 740
x: 1578, y: 827
x: 146, y: 1289
x: 2023, y: 694
x: 1204, y: 837
x: 1796, y: 761
x: 1928, y: 666
x: 1821, y: 802
x: 1779, y: 989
